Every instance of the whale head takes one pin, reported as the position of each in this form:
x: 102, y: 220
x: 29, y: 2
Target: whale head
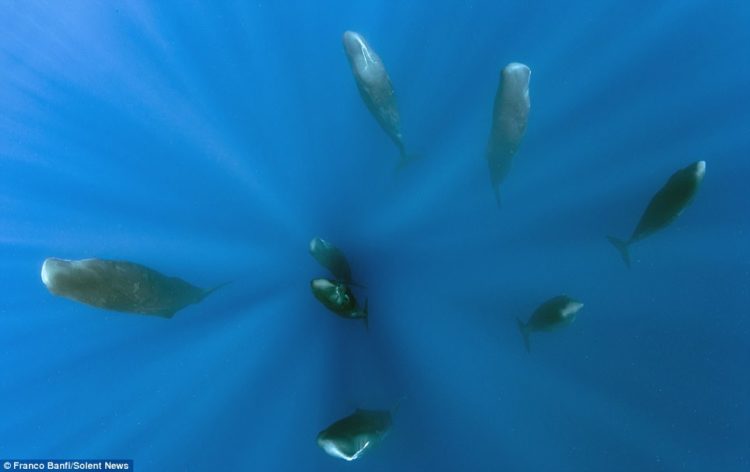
x: 56, y: 274
x: 344, y: 447
x: 366, y: 64
x: 699, y: 170
x: 570, y: 310
x: 319, y: 245
x: 66, y: 277
x: 516, y: 76
x: 354, y: 43
x: 322, y: 285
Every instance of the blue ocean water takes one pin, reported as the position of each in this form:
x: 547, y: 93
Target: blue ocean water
x: 213, y: 140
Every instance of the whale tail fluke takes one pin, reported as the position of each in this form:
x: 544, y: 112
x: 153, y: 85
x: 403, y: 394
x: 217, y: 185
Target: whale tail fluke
x: 366, y: 317
x: 525, y: 332
x: 395, y: 407
x: 211, y: 290
x: 622, y: 248
x: 496, y: 191
x: 405, y: 158
x: 352, y: 283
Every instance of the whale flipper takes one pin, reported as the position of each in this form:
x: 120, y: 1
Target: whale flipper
x: 525, y: 332
x: 406, y: 157
x: 366, y: 318
x: 211, y: 290
x: 496, y: 191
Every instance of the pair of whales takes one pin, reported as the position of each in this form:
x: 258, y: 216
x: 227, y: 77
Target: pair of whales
x: 663, y: 209
x: 336, y: 295
x: 509, y: 118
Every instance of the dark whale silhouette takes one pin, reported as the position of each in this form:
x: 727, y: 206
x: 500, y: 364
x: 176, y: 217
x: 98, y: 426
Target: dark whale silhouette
x: 553, y: 314
x: 331, y: 257
x: 338, y: 297
x: 668, y: 203
x: 350, y: 437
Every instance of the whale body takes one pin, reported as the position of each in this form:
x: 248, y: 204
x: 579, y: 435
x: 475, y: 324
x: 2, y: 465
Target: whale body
x: 551, y: 315
x: 664, y: 208
x: 119, y: 286
x: 338, y: 298
x: 331, y: 257
x: 375, y: 87
x: 509, y: 119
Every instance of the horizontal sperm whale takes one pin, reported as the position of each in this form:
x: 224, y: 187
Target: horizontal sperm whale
x: 120, y: 286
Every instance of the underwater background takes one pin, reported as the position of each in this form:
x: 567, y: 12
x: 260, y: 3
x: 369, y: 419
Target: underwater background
x: 213, y: 140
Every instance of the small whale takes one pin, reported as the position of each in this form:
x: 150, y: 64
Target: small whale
x: 375, y: 88
x: 120, y: 286
x: 330, y: 257
x: 509, y: 119
x: 350, y: 437
x: 668, y: 203
x: 338, y: 298
x: 555, y: 313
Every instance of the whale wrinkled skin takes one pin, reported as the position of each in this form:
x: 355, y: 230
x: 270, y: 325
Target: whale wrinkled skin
x: 664, y: 208
x: 352, y: 436
x: 509, y: 120
x: 375, y: 87
x: 119, y: 286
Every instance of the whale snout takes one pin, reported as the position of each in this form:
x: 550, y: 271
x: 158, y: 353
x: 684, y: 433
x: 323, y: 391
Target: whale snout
x: 354, y: 43
x: 571, y: 310
x: 53, y: 273
x: 517, y: 75
x: 333, y: 448
x: 50, y: 269
x: 700, y: 169
x: 516, y: 69
x: 317, y: 245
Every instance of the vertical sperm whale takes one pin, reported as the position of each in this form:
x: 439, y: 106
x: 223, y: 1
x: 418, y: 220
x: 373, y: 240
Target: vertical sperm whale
x: 668, y: 203
x: 375, y: 88
x: 509, y: 119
